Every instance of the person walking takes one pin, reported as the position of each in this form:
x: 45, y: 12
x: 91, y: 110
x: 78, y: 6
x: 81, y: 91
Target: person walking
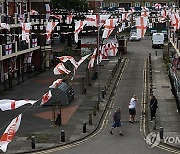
x: 153, y: 107
x: 132, y: 109
x: 117, y: 121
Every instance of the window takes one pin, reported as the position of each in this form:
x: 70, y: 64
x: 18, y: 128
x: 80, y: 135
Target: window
x: 137, y: 4
x: 147, y: 4
x: 1, y: 8
x: 172, y: 4
x: 112, y: 5
x: 102, y: 4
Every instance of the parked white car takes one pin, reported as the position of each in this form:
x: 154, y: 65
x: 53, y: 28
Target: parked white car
x: 134, y: 37
x: 157, y: 40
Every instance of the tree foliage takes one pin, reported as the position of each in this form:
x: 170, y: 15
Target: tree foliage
x: 76, y: 5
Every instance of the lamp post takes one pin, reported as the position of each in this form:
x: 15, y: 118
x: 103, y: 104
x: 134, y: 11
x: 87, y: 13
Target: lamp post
x: 98, y: 58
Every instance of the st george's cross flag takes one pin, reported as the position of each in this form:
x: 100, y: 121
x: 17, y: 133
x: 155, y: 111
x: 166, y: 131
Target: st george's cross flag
x: 109, y: 27
x: 25, y: 31
x: 91, y: 62
x: 8, y: 104
x: 49, y: 28
x: 70, y: 58
x: 56, y: 83
x: 60, y: 69
x: 9, y: 133
x: 46, y: 97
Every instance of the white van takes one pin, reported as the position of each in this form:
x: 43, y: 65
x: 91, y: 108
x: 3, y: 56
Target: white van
x: 157, y: 40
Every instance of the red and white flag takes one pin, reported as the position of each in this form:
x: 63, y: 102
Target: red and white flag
x: 164, y: 13
x: 25, y: 31
x: 34, y: 42
x: 175, y: 21
x: 104, y: 53
x: 91, y: 62
x: 69, y: 19
x: 80, y: 61
x: 61, y: 69
x: 33, y: 12
x: 141, y: 25
x: 92, y: 20
x: 83, y: 59
x: 103, y: 18
x: 78, y: 27
x: 157, y: 6
x: 8, y: 104
x: 56, y: 83
x: 8, y: 49
x: 113, y: 49
x: 46, y: 97
x: 49, y: 28
x: 57, y: 17
x: 48, y: 11
x: 70, y: 58
x: 10, y: 132
x: 109, y: 27
x: 125, y: 16
x: 132, y: 10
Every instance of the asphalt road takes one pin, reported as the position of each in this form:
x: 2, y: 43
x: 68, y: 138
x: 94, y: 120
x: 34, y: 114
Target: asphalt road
x: 132, y: 81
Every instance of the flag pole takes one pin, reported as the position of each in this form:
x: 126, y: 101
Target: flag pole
x: 98, y: 43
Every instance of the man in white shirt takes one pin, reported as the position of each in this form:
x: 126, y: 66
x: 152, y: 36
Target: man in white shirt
x: 132, y: 109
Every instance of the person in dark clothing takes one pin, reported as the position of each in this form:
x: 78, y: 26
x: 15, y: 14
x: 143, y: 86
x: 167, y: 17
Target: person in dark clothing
x: 153, y: 107
x: 117, y: 121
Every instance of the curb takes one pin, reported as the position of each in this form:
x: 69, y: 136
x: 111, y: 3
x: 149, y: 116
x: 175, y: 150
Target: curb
x: 83, y: 139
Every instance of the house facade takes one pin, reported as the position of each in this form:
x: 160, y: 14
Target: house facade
x: 20, y: 59
x: 135, y: 3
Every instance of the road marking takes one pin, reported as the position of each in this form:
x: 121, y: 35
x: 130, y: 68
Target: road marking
x: 143, y: 119
x: 104, y: 123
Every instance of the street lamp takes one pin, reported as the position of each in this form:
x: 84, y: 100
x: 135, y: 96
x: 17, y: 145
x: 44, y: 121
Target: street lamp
x: 98, y: 58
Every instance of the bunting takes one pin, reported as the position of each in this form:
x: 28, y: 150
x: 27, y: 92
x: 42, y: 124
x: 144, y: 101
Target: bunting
x: 46, y: 97
x: 109, y: 27
x: 8, y: 104
x: 9, y: 133
x: 61, y: 69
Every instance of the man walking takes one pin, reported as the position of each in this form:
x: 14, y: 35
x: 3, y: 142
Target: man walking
x: 117, y: 121
x: 132, y: 109
x: 153, y: 107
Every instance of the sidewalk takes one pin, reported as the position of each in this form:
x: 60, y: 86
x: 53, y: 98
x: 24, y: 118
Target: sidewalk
x: 38, y: 119
x: 167, y: 114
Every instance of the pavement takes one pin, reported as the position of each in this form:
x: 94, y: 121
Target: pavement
x: 37, y: 121
x: 167, y: 114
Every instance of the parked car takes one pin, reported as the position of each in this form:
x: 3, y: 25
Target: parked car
x: 134, y: 37
x: 157, y: 40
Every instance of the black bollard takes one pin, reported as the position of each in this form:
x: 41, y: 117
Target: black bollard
x: 62, y: 136
x: 103, y: 93
x: 94, y: 111
x: 84, y: 127
x: 161, y: 132
x: 33, y: 142
x: 97, y: 105
x: 90, y: 119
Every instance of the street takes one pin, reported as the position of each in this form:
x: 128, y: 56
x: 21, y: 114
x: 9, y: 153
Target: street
x: 132, y: 142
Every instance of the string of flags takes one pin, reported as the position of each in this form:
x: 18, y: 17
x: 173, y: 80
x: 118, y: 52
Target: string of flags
x: 106, y: 50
